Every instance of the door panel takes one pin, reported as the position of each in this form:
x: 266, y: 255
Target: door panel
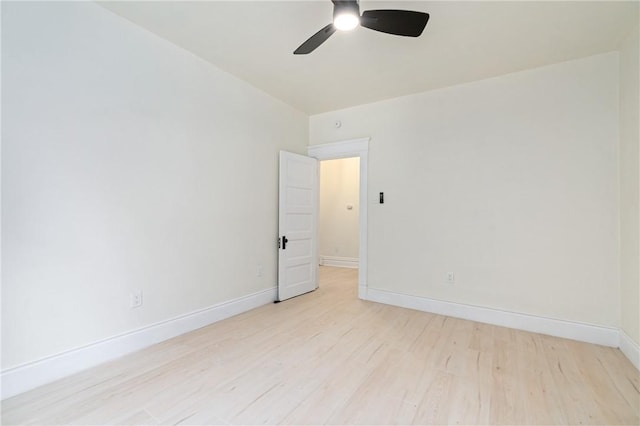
x: 297, y: 217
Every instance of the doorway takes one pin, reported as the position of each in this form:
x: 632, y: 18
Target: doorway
x: 338, y: 212
x: 349, y: 149
x: 338, y: 220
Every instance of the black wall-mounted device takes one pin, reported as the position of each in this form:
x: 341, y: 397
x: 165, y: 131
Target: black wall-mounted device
x: 382, y: 198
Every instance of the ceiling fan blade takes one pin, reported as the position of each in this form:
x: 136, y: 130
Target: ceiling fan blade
x: 398, y: 22
x: 315, y: 40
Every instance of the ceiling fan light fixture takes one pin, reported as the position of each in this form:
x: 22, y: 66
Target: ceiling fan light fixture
x: 346, y: 16
x: 346, y: 21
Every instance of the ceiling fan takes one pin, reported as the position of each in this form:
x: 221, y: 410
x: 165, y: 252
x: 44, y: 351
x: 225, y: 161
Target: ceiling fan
x: 346, y: 16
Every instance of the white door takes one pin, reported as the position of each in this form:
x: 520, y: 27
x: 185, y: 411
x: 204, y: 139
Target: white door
x: 297, y: 216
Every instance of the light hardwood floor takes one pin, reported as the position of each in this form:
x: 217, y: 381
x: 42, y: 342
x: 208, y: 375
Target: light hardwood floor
x: 327, y: 357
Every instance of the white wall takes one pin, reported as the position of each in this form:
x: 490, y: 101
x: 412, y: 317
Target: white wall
x: 127, y: 163
x: 338, y: 225
x: 510, y: 182
x: 630, y: 185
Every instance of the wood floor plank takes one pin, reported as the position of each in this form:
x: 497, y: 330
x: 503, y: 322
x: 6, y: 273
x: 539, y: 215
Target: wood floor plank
x: 329, y: 358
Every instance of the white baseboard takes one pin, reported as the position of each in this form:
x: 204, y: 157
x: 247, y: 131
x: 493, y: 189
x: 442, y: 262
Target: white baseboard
x: 630, y: 349
x: 607, y: 336
x: 31, y: 375
x: 340, y: 262
x: 37, y: 373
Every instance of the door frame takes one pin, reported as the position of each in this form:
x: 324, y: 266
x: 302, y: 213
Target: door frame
x: 348, y: 149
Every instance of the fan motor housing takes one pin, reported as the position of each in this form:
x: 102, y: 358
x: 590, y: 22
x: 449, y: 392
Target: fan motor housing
x: 345, y: 6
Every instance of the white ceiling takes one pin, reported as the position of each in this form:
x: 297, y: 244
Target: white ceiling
x: 463, y: 41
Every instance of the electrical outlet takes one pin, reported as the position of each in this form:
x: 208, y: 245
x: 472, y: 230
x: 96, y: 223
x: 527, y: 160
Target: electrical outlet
x: 136, y: 299
x: 451, y: 278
